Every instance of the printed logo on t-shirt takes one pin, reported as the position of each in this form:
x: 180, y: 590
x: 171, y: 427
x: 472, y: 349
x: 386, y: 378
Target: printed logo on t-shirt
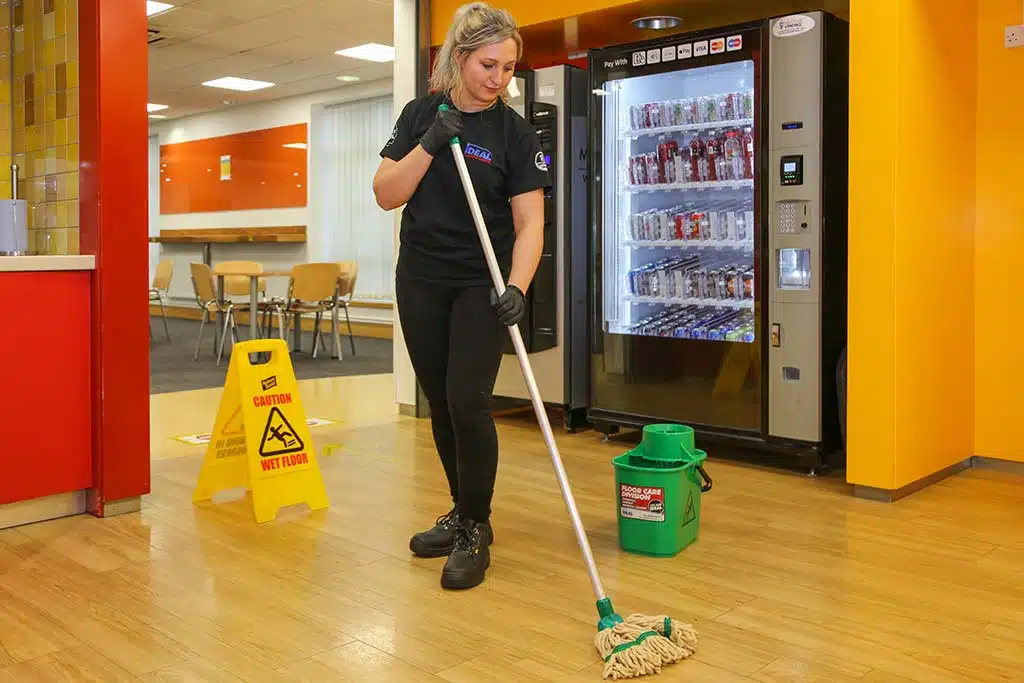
x: 540, y: 162
x: 394, y: 135
x: 478, y: 153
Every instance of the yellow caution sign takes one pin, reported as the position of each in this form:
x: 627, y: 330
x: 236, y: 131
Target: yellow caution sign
x: 261, y: 438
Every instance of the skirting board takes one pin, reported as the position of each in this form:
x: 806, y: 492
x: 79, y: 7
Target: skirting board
x: 891, y: 496
x: 981, y: 462
x: 43, y: 509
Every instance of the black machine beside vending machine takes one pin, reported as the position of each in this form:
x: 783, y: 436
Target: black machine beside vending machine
x: 719, y: 233
x: 554, y: 100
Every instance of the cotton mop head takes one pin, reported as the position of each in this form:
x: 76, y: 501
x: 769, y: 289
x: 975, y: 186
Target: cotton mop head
x: 640, y: 645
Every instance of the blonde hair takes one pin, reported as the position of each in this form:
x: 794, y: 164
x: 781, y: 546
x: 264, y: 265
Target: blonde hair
x: 476, y: 25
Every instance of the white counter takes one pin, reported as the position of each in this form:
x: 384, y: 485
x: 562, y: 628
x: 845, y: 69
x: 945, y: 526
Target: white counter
x: 22, y: 264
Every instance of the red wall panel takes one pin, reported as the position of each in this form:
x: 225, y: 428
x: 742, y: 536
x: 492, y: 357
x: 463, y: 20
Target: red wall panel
x: 266, y: 170
x: 47, y: 396
x: 114, y: 218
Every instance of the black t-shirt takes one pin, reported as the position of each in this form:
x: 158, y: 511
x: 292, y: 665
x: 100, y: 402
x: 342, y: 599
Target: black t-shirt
x: 438, y: 239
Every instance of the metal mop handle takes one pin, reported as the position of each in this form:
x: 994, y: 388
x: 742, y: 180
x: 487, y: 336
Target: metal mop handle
x: 524, y: 364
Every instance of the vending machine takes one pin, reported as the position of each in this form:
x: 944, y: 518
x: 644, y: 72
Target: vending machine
x: 719, y: 214
x: 554, y: 100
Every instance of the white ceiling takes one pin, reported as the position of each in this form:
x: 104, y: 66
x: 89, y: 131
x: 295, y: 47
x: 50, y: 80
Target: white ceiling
x: 287, y: 42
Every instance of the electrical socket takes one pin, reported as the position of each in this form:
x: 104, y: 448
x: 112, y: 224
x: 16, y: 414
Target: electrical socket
x: 1015, y: 36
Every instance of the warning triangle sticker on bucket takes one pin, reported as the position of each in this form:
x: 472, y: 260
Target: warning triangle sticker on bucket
x: 689, y: 514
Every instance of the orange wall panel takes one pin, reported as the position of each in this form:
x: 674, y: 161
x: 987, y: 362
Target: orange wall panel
x: 999, y: 237
x: 934, y: 237
x: 266, y: 169
x: 911, y: 340
x: 526, y: 12
x: 872, y: 325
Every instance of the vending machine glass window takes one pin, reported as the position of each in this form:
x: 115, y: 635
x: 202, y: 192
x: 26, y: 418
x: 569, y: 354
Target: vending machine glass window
x: 678, y: 223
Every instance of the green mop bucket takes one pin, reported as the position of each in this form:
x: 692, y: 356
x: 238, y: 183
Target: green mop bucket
x: 659, y: 501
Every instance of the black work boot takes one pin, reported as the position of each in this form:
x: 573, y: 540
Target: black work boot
x: 470, y: 557
x: 437, y: 541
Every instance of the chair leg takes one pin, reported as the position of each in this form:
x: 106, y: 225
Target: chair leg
x: 280, y: 323
x: 163, y: 314
x: 351, y: 337
x: 335, y: 324
x: 316, y: 332
x: 228, y: 317
x: 199, y: 342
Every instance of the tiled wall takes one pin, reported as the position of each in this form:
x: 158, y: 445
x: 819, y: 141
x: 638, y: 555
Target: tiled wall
x: 45, y: 98
x: 6, y: 47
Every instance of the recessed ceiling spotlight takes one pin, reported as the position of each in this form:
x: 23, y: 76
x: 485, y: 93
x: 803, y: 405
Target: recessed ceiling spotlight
x: 372, y: 52
x: 154, y: 8
x: 233, y: 83
x: 348, y: 79
x: 659, y: 23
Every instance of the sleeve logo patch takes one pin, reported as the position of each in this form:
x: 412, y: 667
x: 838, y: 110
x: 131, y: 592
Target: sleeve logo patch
x: 540, y: 162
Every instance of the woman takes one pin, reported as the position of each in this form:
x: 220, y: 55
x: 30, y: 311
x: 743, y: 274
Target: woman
x: 452, y: 320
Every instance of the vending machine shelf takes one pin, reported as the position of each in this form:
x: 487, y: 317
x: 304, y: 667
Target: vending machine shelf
x: 744, y: 184
x: 636, y: 134
x: 676, y: 301
x: 747, y: 244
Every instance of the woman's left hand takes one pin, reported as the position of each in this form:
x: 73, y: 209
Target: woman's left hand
x: 510, y: 306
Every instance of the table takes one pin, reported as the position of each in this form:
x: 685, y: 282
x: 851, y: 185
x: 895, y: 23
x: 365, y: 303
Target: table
x: 254, y: 278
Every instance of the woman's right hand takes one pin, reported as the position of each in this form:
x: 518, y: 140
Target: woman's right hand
x: 447, y: 125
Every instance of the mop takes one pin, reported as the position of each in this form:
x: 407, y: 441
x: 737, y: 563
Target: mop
x: 639, y: 644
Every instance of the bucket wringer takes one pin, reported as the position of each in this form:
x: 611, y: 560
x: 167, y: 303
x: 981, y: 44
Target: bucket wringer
x: 638, y: 644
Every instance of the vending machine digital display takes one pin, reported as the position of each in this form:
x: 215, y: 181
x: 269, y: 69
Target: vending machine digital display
x: 718, y: 176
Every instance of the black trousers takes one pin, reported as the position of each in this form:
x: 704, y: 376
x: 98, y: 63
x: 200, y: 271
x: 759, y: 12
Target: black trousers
x: 455, y: 340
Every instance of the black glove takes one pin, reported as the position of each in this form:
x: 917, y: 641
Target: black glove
x: 510, y: 306
x: 447, y: 125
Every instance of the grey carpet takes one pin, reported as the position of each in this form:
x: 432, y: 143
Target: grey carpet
x: 172, y: 367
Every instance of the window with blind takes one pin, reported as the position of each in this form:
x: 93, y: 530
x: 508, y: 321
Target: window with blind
x: 347, y: 224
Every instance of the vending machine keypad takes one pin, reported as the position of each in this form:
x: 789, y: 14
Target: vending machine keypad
x: 793, y: 217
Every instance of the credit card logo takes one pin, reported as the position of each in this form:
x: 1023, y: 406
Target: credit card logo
x: 700, y: 48
x: 639, y: 58
x: 668, y: 54
x: 717, y: 46
x: 685, y: 51
x: 734, y: 43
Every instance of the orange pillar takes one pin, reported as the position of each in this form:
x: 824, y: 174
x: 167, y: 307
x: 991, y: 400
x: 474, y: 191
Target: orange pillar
x: 911, y: 264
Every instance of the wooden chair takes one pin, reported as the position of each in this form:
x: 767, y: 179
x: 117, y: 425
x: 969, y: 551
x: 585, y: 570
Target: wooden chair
x: 205, y: 288
x: 313, y: 288
x: 159, y: 289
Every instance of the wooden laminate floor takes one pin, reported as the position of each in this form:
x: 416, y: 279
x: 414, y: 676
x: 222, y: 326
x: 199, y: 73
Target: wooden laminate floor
x: 791, y: 580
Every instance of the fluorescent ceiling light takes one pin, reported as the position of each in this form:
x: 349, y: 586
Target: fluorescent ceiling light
x: 372, y: 52
x: 155, y: 107
x: 348, y: 79
x: 233, y: 83
x: 153, y: 7
x: 157, y: 116
x: 295, y: 145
